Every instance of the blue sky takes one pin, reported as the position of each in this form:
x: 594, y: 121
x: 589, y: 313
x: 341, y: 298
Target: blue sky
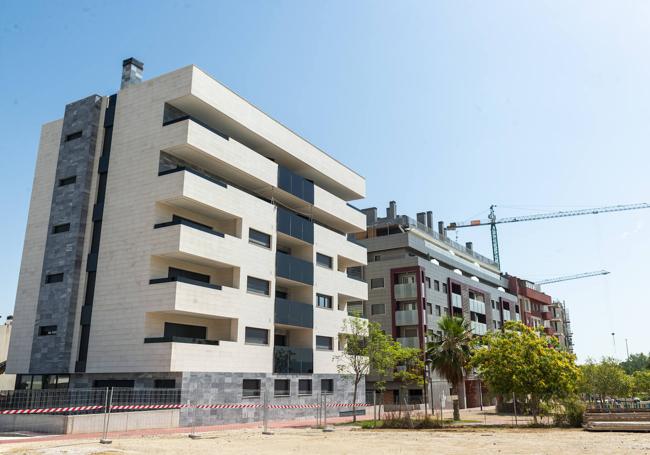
x: 445, y: 106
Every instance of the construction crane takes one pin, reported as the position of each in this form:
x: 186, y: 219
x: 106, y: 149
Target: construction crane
x: 572, y: 277
x: 493, y: 220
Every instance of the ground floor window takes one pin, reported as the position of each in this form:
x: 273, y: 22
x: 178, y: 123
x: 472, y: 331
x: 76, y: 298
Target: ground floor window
x: 42, y: 381
x: 327, y: 386
x: 251, y: 388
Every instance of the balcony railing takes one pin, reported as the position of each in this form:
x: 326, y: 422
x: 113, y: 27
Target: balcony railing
x: 477, y: 306
x: 203, y: 175
x: 296, y: 226
x: 198, y: 122
x: 478, y: 328
x: 182, y: 279
x: 456, y: 300
x: 294, y: 269
x: 177, y: 339
x: 293, y: 313
x: 295, y: 184
x: 409, y: 342
x: 406, y: 291
x: 406, y: 317
x: 292, y: 360
x: 189, y: 223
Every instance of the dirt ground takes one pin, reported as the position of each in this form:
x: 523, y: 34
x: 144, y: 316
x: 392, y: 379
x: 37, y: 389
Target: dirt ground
x: 348, y: 440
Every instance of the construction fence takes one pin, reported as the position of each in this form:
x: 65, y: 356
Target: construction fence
x: 110, y: 410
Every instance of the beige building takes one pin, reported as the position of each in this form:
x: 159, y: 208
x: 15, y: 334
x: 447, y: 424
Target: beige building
x: 178, y: 237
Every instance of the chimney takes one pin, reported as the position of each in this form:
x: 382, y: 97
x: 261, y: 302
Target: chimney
x: 469, y: 246
x: 391, y: 211
x: 371, y: 215
x: 430, y: 219
x: 422, y: 218
x: 441, y: 228
x: 131, y: 72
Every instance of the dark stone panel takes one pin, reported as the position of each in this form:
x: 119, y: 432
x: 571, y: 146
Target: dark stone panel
x: 57, y: 302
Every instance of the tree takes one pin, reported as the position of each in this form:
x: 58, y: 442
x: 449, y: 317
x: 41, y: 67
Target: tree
x: 527, y: 363
x: 409, y: 366
x: 641, y: 384
x: 636, y: 362
x: 366, y: 347
x: 450, y: 352
x: 605, y: 379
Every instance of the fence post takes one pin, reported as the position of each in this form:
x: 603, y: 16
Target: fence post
x: 265, y: 413
x: 107, y: 416
x: 193, y: 434
x: 325, y: 427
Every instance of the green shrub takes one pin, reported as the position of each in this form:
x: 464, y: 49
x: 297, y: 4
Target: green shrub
x: 402, y: 422
x: 570, y: 413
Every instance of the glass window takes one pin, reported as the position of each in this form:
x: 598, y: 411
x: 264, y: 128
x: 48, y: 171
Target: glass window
x: 251, y: 388
x: 327, y: 386
x: 259, y: 238
x: 61, y: 228
x: 258, y: 286
x: 324, y: 343
x: 438, y: 310
x: 377, y: 308
x: 257, y: 336
x: 323, y: 260
x: 444, y: 288
x: 429, y: 308
x: 428, y: 280
x: 304, y: 386
x: 46, y: 330
x: 282, y: 388
x: 436, y: 285
x: 376, y: 283
x: 67, y: 180
x: 54, y: 278
x: 323, y: 301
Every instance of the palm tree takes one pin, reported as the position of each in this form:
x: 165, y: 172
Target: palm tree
x: 449, y: 352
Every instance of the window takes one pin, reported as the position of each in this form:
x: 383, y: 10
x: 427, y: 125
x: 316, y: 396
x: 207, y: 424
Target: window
x: 323, y: 301
x: 428, y: 280
x: 164, y: 383
x: 73, y: 136
x: 324, y: 343
x: 377, y: 258
x: 327, y: 386
x: 282, y: 388
x: 323, y: 260
x: 196, y: 332
x: 436, y: 285
x: 173, y: 272
x: 257, y: 336
x: 67, y: 180
x: 438, y: 310
x: 251, y: 388
x: 259, y: 238
x: 61, y: 228
x: 444, y: 288
x: 54, y: 278
x: 377, y: 308
x: 46, y: 330
x: 304, y: 386
x: 429, y: 308
x: 258, y: 286
x: 376, y: 283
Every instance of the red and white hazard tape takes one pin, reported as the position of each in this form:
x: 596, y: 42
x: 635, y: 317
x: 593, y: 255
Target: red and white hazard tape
x: 137, y: 407
x: 51, y: 410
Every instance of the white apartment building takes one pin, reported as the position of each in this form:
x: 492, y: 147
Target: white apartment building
x: 179, y: 237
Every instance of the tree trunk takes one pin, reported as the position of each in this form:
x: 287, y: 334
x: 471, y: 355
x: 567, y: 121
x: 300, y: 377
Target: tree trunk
x: 354, y: 402
x: 456, y: 403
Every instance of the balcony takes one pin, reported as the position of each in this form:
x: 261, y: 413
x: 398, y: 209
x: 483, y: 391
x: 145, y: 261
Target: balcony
x: 295, y: 226
x: 549, y: 331
x: 478, y: 328
x: 177, y: 339
x: 547, y: 315
x: 186, y: 280
x: 477, y: 306
x: 409, y: 342
x: 293, y: 360
x: 189, y: 223
x: 295, y: 184
x: 406, y: 291
x: 456, y: 301
x: 288, y: 312
x: 294, y: 269
x: 406, y: 317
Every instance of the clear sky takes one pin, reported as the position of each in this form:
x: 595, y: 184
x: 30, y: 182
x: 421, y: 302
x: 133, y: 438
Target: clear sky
x: 445, y: 106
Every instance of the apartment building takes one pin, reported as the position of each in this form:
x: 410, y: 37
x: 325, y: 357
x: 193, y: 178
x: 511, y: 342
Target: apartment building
x: 416, y: 274
x: 179, y: 237
x: 540, y: 310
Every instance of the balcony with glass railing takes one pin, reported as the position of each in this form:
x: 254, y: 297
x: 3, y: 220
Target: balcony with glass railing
x: 456, y: 300
x: 406, y: 291
x: 477, y: 306
x: 478, y: 328
x: 409, y: 342
x: 406, y: 317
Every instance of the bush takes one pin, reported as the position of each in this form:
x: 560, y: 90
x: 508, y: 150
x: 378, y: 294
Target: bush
x: 570, y: 413
x: 402, y: 422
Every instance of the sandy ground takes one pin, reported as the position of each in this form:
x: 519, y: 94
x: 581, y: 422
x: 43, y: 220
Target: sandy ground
x: 348, y: 440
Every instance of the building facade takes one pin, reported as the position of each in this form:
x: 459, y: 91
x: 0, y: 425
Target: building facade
x: 179, y: 237
x: 416, y: 275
